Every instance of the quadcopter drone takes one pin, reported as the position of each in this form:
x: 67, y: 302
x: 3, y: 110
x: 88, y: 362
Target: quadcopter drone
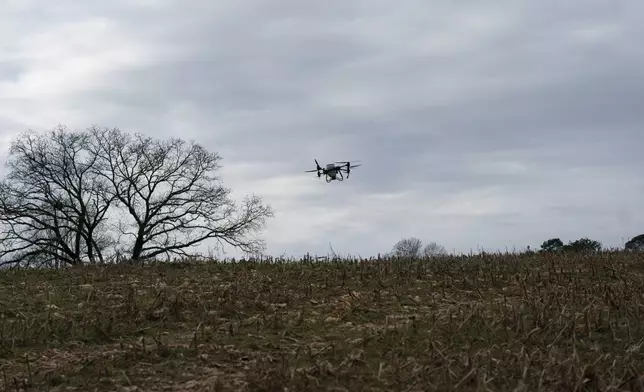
x: 333, y: 171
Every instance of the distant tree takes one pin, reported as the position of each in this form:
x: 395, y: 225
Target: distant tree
x: 635, y: 243
x: 583, y: 245
x: 552, y: 245
x: 408, y: 248
x: 433, y: 249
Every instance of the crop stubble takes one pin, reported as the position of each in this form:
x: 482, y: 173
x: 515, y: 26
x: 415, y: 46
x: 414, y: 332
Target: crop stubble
x: 492, y: 322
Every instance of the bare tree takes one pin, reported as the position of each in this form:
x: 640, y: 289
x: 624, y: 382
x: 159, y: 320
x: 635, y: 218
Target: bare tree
x: 171, y: 194
x: 433, y: 249
x: 62, y: 190
x: 51, y: 207
x: 408, y: 248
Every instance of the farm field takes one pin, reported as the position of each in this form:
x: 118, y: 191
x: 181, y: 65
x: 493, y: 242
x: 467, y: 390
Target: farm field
x: 530, y: 322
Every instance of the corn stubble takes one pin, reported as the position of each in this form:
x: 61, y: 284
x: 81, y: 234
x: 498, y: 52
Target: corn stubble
x: 533, y: 322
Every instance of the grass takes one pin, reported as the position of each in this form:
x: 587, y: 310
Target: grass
x: 529, y: 322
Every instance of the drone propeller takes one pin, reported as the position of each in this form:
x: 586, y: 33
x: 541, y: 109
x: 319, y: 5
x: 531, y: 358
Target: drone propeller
x: 348, y: 163
x: 348, y: 166
x: 316, y: 170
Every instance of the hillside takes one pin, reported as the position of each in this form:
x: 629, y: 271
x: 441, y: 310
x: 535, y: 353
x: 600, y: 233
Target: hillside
x: 536, y: 322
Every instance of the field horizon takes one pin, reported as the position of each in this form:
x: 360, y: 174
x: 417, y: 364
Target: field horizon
x: 487, y: 322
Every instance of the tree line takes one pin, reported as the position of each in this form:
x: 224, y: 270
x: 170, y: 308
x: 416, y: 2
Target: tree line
x: 99, y: 194
x: 412, y: 247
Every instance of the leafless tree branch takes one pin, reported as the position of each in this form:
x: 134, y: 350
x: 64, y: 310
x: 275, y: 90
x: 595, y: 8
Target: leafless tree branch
x: 51, y: 207
x: 175, y: 200
x: 61, y: 198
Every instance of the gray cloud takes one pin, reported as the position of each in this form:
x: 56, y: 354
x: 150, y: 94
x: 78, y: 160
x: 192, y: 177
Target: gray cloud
x: 478, y: 125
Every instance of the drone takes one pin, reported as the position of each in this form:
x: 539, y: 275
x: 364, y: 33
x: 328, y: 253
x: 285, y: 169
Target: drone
x: 333, y: 171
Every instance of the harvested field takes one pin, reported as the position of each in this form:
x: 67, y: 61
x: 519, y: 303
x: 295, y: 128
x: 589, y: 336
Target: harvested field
x: 532, y: 322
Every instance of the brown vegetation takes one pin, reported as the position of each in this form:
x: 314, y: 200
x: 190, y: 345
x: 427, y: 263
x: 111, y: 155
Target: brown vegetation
x: 498, y: 323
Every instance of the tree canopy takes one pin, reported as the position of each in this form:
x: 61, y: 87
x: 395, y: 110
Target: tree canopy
x: 580, y: 245
x: 77, y: 196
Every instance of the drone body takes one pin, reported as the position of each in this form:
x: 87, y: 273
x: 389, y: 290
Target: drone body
x: 333, y: 171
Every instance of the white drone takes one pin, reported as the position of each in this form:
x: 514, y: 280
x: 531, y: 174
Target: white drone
x: 333, y: 171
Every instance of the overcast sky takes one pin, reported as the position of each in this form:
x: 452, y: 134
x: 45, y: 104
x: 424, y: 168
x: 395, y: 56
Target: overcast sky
x: 497, y: 125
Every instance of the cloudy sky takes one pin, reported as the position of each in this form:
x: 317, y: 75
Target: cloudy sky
x: 496, y: 125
